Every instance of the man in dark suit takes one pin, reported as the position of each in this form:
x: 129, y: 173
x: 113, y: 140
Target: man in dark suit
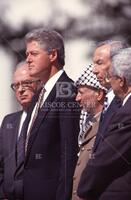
x: 107, y: 175
x: 102, y: 62
x: 24, y: 87
x: 52, y: 145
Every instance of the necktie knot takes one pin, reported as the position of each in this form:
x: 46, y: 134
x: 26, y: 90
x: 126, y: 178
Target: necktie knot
x: 40, y: 99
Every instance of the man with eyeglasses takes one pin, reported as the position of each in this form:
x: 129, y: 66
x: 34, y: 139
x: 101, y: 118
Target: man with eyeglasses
x: 24, y: 87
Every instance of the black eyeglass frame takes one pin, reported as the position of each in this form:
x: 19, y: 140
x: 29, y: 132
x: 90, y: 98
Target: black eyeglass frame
x: 24, y: 84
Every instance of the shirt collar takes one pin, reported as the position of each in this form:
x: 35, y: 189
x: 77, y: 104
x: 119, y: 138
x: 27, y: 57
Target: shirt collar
x: 50, y: 84
x: 126, y: 98
x: 110, y: 96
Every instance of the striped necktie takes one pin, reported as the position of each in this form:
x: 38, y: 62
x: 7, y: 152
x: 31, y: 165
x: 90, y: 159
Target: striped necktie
x: 37, y: 107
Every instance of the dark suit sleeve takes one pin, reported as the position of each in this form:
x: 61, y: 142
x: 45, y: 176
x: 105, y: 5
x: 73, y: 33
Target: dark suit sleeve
x: 69, y: 129
x: 111, y: 160
x: 2, y: 196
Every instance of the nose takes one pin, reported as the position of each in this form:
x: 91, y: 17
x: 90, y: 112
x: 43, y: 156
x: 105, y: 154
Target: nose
x: 29, y: 58
x: 20, y: 89
x: 95, y: 70
x: 78, y: 97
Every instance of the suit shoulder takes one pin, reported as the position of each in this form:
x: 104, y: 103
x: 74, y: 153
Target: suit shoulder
x: 65, y: 77
x: 11, y: 116
x: 65, y: 87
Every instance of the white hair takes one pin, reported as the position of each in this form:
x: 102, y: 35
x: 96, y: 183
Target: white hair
x: 121, y: 64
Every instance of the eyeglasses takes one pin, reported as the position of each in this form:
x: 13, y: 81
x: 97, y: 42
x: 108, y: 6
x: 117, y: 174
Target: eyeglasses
x: 24, y: 84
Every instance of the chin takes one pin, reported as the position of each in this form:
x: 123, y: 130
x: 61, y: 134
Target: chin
x: 32, y: 73
x: 24, y: 103
x: 85, y: 109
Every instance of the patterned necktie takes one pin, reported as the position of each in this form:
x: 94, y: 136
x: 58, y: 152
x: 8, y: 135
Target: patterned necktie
x: 104, y: 110
x: 105, y: 106
x: 37, y: 107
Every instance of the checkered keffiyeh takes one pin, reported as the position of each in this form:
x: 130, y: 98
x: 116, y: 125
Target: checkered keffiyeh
x: 86, y: 121
x: 89, y: 78
x: 83, y: 119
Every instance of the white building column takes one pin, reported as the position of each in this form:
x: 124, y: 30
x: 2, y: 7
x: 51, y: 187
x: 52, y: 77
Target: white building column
x: 8, y: 102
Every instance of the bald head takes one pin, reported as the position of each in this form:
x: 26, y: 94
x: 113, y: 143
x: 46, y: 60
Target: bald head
x: 24, y: 85
x: 21, y: 70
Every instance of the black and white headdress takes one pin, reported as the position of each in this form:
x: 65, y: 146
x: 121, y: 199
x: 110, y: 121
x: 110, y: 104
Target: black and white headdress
x: 89, y: 78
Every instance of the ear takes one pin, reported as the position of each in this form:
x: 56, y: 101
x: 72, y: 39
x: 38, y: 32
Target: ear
x: 53, y: 55
x: 100, y: 95
x: 122, y: 81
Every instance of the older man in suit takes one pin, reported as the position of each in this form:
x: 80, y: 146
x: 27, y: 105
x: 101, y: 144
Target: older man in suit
x: 24, y: 87
x: 91, y: 97
x: 51, y: 142
x: 107, y: 176
x: 102, y: 63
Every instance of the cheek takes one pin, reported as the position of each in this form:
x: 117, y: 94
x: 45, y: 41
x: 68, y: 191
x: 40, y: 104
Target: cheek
x: 17, y: 95
x: 100, y: 71
x: 86, y: 100
x: 112, y: 84
x: 38, y: 61
x: 103, y: 71
x: 91, y: 100
x: 117, y: 88
x: 29, y: 93
x: 43, y: 62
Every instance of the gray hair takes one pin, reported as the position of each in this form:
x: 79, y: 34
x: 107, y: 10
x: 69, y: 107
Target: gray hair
x: 19, y: 65
x: 23, y: 62
x: 48, y: 40
x: 115, y: 46
x: 121, y: 64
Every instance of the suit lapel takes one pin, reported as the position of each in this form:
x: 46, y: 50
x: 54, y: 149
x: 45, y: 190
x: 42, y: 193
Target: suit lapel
x: 92, y: 131
x: 109, y: 114
x: 13, y: 139
x: 104, y: 123
x: 122, y: 118
x: 42, y: 113
x: 15, y: 129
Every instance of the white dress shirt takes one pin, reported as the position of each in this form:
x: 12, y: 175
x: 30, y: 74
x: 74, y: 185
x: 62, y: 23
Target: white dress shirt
x: 110, y: 96
x: 23, y: 117
x: 126, y: 98
x: 48, y: 87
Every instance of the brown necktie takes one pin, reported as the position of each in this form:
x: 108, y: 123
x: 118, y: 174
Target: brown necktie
x: 38, y: 106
